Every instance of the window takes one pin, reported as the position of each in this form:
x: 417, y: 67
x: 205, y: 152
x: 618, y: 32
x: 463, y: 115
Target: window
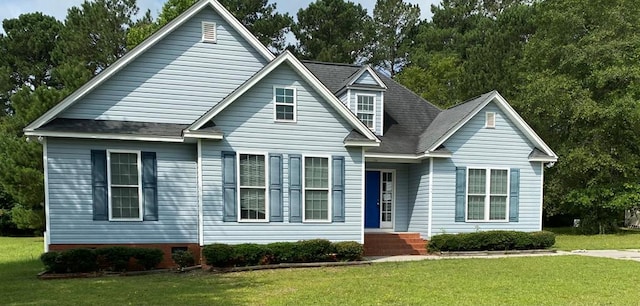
x: 316, y: 189
x: 253, y: 206
x: 487, y: 194
x: 490, y: 120
x: 125, y: 200
x: 365, y: 109
x: 209, y: 32
x: 285, y: 104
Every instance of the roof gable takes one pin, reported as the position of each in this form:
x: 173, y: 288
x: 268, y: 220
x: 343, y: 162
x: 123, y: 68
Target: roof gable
x: 142, y: 48
x: 367, y: 77
x: 451, y: 120
x: 287, y: 58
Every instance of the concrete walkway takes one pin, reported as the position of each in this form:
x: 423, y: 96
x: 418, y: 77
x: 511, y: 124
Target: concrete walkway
x: 613, y: 254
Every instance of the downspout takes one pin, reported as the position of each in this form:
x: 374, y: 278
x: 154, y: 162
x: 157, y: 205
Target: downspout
x: 430, y: 197
x: 200, y: 209
x: 362, y: 199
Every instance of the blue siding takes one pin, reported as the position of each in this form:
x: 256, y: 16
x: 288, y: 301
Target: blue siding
x: 70, y: 200
x: 248, y: 126
x: 418, y: 211
x: 177, y: 80
x: 402, y: 198
x: 378, y: 107
x: 366, y: 79
x: 473, y: 145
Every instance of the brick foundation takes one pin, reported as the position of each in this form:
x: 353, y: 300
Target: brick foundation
x: 167, y: 262
x: 388, y: 244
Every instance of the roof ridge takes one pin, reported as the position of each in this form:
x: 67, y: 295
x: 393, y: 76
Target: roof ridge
x: 469, y: 100
x: 330, y: 63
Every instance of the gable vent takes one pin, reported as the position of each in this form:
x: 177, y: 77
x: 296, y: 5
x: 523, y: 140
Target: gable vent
x: 209, y: 32
x: 491, y: 120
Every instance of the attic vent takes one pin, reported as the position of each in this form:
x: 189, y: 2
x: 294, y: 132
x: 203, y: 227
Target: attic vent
x: 209, y: 32
x: 491, y: 120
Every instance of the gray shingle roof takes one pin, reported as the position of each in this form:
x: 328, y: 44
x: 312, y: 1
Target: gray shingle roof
x: 406, y: 115
x: 114, y: 127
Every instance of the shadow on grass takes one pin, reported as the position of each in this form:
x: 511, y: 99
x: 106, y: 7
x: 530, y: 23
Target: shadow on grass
x: 198, y: 287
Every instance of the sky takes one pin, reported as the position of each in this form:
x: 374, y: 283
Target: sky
x: 58, y: 8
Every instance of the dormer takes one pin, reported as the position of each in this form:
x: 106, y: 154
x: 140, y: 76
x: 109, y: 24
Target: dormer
x: 363, y: 93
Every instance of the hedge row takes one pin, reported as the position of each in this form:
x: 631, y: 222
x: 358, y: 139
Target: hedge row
x: 250, y: 254
x: 492, y: 241
x: 109, y: 259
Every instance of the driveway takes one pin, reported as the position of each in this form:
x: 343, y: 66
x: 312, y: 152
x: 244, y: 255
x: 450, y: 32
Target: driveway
x: 615, y: 254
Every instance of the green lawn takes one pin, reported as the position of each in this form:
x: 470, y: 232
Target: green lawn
x: 562, y: 280
x: 567, y: 239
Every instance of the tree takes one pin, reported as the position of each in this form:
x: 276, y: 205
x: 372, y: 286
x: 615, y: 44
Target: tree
x: 95, y: 34
x: 262, y: 20
x: 393, y: 20
x: 258, y: 16
x: 333, y: 31
x: 581, y: 94
x: 25, y: 56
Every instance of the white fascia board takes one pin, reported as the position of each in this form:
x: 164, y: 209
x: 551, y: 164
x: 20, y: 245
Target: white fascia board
x: 549, y: 159
x: 511, y: 113
x: 144, y: 46
x: 104, y: 136
x: 201, y: 135
x: 309, y: 78
x: 360, y: 143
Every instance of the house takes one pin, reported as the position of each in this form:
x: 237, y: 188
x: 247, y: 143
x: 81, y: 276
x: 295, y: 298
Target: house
x: 201, y: 135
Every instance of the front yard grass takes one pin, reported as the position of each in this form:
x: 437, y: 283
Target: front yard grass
x: 567, y: 239
x: 563, y: 280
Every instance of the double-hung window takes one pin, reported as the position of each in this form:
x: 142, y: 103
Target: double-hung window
x: 316, y: 189
x: 253, y: 182
x: 487, y: 194
x: 125, y: 181
x: 366, y: 109
x: 285, y: 104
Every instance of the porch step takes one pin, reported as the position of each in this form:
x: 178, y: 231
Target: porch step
x: 388, y: 244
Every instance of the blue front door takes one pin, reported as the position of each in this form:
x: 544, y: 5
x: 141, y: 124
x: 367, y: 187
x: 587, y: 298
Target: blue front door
x: 372, y: 200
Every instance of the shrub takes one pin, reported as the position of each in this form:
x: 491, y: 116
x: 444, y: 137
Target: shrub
x: 219, y: 255
x: 251, y: 254
x: 148, y: 258
x: 183, y: 259
x: 543, y: 239
x: 283, y: 252
x: 314, y: 250
x: 348, y: 250
x: 114, y: 258
x: 53, y: 263
x: 491, y: 241
x: 80, y: 260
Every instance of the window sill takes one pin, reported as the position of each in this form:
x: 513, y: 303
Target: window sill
x: 126, y: 220
x: 285, y: 121
x: 316, y: 221
x: 486, y: 221
x: 253, y: 221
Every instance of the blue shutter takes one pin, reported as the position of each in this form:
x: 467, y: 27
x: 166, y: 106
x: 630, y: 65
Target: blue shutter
x: 461, y: 188
x: 514, y: 196
x: 338, y: 189
x: 150, y: 186
x: 275, y: 188
x: 229, y: 186
x: 295, y: 188
x: 99, y: 184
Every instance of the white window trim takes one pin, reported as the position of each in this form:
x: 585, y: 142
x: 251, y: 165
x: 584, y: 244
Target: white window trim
x: 140, y: 200
x: 215, y: 32
x: 373, y: 128
x: 295, y: 104
x: 486, y: 120
x: 487, y: 195
x: 266, y: 187
x: 329, y: 189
